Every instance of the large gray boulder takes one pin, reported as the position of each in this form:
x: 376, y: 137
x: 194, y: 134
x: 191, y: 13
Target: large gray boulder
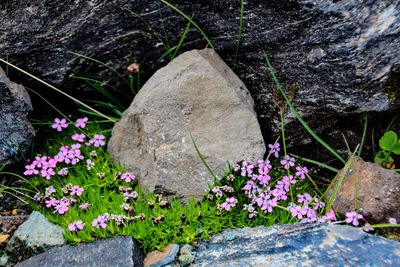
x: 297, y: 245
x: 117, y: 251
x: 196, y: 94
x: 337, y: 59
x: 16, y: 132
x: 34, y: 236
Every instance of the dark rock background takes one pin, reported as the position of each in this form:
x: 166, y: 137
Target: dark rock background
x: 16, y: 132
x: 338, y: 60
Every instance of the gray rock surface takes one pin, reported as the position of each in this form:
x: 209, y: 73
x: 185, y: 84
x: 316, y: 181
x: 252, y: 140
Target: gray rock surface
x: 34, y: 236
x: 118, y: 251
x: 198, y: 94
x: 298, y: 245
x: 16, y: 132
x: 377, y: 190
x: 338, y: 59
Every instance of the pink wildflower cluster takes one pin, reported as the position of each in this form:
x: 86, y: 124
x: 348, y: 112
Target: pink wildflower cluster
x: 60, y: 124
x: 60, y: 206
x: 76, y: 226
x: 126, y: 176
x: 101, y: 221
x: 307, y: 208
x: 42, y: 164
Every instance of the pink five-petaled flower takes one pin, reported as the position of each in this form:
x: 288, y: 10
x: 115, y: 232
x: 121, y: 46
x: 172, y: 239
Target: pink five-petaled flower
x: 78, y: 137
x: 329, y: 217
x: 59, y: 124
x: 30, y: 170
x: 274, y: 149
x: 97, y: 140
x: 76, y: 190
x: 76, y: 226
x: 81, y: 122
x: 52, y: 202
x: 47, y: 173
x: 128, y: 177
x: 353, y: 217
x: 62, y: 207
x: 287, y: 162
x: 229, y: 203
x: 84, y: 206
x: 100, y: 221
x: 63, y: 172
x: 301, y: 172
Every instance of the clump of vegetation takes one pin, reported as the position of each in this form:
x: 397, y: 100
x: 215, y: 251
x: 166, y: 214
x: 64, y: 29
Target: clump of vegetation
x: 78, y: 187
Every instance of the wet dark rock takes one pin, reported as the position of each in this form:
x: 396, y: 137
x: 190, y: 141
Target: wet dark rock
x: 336, y: 59
x: 16, y: 132
x: 118, y: 251
x: 298, y: 245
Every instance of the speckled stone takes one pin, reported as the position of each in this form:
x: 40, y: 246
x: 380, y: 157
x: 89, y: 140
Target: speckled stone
x: 34, y: 236
x: 298, y: 245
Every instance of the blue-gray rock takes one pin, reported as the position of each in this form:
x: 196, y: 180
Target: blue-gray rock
x: 34, y: 236
x: 298, y: 245
x: 16, y: 132
x: 118, y: 251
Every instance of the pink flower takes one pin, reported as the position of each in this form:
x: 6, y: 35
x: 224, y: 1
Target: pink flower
x: 128, y: 177
x: 100, y: 221
x: 59, y: 124
x: 392, y: 221
x: 52, y: 202
x: 301, y: 171
x: 62, y: 207
x: 81, y: 122
x: 47, y: 173
x: 63, y: 172
x: 30, y: 170
x: 353, y: 217
x: 78, y: 137
x: 76, y: 190
x: 84, y: 206
x: 133, y: 68
x: 274, y: 149
x: 329, y: 217
x: 287, y: 162
x: 229, y: 203
x: 98, y: 140
x: 76, y: 226
x: 49, y: 191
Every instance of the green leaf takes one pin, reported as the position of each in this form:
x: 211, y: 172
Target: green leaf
x: 388, y: 141
x: 383, y: 158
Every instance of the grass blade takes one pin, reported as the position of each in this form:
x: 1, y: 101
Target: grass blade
x: 338, y: 182
x: 297, y: 115
x: 101, y: 63
x: 320, y: 164
x: 240, y: 30
x: 203, y: 159
x: 58, y: 90
x: 191, y: 20
x: 181, y: 40
x: 363, y: 135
